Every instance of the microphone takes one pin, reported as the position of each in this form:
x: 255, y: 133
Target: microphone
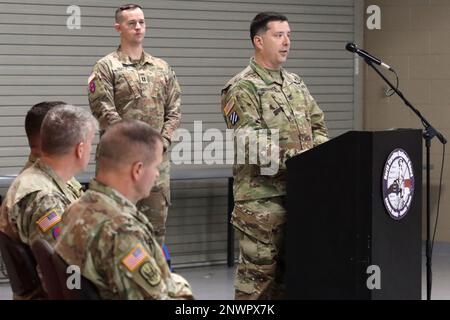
x: 353, y: 48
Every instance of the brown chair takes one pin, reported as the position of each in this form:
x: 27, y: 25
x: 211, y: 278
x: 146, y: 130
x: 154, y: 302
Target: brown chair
x: 87, y: 290
x: 20, y: 265
x: 43, y: 252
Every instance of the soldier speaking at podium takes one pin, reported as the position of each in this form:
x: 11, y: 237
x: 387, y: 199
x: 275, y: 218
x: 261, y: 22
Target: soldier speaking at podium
x: 263, y: 97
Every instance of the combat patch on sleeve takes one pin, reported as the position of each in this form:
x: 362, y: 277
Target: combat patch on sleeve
x: 96, y: 88
x: 91, y: 82
x: 56, y: 231
x: 50, y: 219
x: 234, y: 118
x: 135, y: 258
x: 233, y: 113
x: 150, y: 273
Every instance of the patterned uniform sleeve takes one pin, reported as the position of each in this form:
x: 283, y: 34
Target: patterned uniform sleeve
x: 241, y: 111
x: 41, y: 217
x: 101, y: 95
x: 172, y: 113
x: 138, y: 270
x: 319, y: 129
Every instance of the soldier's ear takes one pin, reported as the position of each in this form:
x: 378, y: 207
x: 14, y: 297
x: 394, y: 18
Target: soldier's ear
x: 79, y: 150
x: 136, y: 170
x: 117, y: 27
x: 258, y: 42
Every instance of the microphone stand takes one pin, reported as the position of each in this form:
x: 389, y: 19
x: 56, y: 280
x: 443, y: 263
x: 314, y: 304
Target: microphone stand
x: 428, y: 134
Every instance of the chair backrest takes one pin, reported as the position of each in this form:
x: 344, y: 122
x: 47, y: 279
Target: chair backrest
x: 20, y: 265
x: 87, y: 290
x: 43, y: 252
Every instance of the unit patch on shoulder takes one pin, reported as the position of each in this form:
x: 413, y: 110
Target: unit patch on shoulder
x: 150, y: 273
x: 91, y: 83
x: 234, y: 118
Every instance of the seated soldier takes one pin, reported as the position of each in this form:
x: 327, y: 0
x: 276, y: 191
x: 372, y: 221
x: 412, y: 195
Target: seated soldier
x: 35, y: 202
x: 105, y: 235
x: 33, y: 122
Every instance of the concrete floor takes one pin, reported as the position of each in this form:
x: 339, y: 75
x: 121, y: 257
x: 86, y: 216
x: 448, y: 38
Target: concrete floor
x: 216, y: 282
x: 208, y: 283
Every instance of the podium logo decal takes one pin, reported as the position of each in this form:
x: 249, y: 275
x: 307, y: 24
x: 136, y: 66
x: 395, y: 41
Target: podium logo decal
x: 398, y: 184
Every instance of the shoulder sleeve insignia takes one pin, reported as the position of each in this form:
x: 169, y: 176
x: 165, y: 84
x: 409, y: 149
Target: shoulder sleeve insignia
x: 91, y: 83
x: 233, y: 117
x: 50, y: 219
x: 150, y: 273
x: 135, y: 258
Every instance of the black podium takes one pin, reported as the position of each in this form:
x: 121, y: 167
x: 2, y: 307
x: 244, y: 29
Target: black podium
x: 340, y: 238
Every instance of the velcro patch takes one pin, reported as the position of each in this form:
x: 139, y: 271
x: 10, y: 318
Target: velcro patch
x: 50, y: 219
x: 56, y: 232
x: 91, y: 77
x: 150, y: 273
x: 234, y: 118
x: 228, y: 107
x: 135, y: 258
x: 92, y: 86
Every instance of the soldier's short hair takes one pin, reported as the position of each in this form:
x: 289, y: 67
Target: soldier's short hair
x: 64, y: 127
x: 35, y: 116
x: 261, y: 20
x: 126, y: 142
x: 125, y: 7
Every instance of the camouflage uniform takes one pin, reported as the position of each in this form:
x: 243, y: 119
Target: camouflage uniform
x: 72, y: 185
x: 260, y: 99
x: 148, y: 91
x: 34, y: 205
x: 33, y: 208
x: 113, y: 244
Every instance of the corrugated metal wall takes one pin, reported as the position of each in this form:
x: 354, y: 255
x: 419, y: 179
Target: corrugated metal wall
x: 206, y: 43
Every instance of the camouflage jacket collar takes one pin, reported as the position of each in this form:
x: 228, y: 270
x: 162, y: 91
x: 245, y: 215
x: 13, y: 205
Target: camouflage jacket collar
x: 264, y: 74
x: 125, y: 59
x: 116, y: 196
x: 32, y: 158
x: 53, y: 175
x: 120, y: 200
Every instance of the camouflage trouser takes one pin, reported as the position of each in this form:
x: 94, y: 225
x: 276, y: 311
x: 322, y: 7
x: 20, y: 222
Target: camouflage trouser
x: 260, y: 226
x: 156, y: 206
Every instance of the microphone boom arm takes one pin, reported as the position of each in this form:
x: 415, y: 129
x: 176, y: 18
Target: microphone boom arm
x: 429, y: 133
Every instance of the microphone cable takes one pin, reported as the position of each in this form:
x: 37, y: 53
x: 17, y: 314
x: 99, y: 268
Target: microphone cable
x: 390, y: 92
x: 439, y: 197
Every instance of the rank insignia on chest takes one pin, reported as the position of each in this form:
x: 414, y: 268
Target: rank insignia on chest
x: 143, y: 78
x: 234, y: 118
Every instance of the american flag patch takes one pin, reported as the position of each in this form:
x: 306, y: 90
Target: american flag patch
x: 234, y: 118
x: 135, y: 258
x: 228, y: 107
x: 49, y: 220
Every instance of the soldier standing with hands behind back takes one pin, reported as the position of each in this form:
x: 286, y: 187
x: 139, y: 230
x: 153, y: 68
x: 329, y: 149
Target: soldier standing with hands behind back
x: 131, y: 84
x: 263, y: 97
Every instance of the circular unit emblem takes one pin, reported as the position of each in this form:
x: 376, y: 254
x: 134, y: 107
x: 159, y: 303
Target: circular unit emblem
x: 398, y: 184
